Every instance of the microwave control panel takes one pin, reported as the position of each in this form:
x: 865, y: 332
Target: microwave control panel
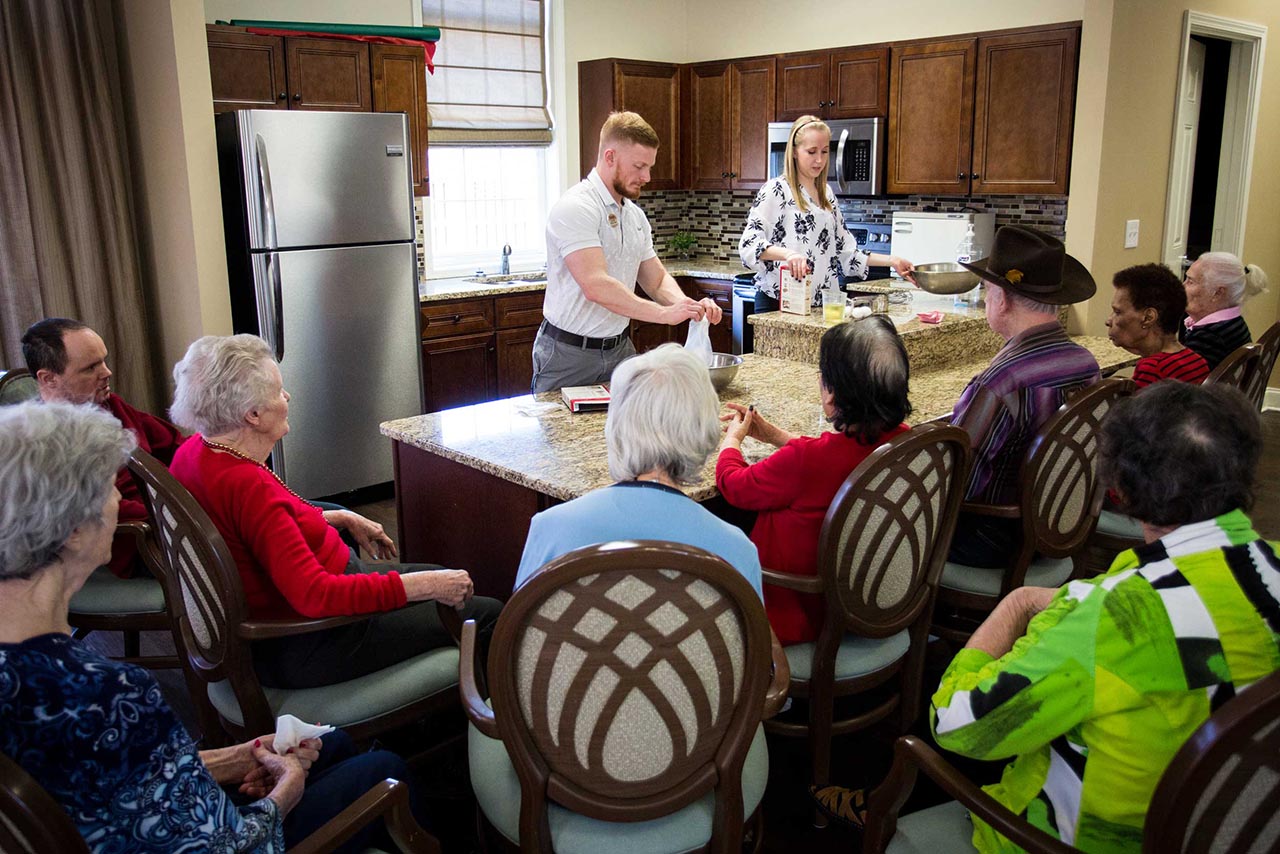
x: 858, y: 160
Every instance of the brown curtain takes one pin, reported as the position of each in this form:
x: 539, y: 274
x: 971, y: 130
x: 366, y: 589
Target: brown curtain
x: 68, y: 244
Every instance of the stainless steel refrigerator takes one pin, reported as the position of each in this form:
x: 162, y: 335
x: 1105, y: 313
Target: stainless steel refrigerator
x: 318, y: 214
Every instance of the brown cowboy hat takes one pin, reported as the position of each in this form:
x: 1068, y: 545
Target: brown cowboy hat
x: 1029, y: 262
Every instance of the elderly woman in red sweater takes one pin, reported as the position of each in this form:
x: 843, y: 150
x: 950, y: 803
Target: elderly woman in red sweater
x: 862, y: 385
x: 291, y: 558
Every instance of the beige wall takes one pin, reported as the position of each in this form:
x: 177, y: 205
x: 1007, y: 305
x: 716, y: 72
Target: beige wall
x: 1141, y: 89
x: 390, y: 12
x: 165, y: 78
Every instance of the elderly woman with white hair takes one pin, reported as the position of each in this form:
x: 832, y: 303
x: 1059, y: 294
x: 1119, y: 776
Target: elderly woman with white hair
x: 1217, y: 284
x: 662, y: 426
x: 95, y: 733
x: 292, y: 561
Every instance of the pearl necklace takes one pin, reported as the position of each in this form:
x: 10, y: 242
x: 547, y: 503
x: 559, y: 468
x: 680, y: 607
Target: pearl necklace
x: 218, y: 446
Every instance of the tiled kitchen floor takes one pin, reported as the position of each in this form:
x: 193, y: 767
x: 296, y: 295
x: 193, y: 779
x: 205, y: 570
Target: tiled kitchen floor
x: 858, y: 759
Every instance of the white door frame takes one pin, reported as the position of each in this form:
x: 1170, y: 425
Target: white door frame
x: 1239, y: 124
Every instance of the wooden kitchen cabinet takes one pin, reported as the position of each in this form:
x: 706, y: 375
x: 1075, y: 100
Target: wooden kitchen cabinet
x: 246, y: 70
x: 727, y: 108
x: 250, y: 71
x: 458, y: 371
x: 721, y: 291
x: 517, y: 317
x: 475, y: 350
x: 400, y: 86
x: 985, y: 115
x: 849, y: 83
x: 651, y: 89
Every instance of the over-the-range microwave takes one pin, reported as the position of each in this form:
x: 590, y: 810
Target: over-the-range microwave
x: 856, y: 166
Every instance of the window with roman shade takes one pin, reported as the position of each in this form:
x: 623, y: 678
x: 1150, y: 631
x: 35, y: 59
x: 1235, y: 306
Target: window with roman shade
x: 490, y: 83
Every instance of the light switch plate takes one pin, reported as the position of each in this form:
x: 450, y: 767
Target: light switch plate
x: 1131, y: 234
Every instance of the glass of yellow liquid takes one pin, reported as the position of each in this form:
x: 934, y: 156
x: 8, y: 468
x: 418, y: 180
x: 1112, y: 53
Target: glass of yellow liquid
x: 832, y: 306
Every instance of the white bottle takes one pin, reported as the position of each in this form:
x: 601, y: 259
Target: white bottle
x: 967, y: 252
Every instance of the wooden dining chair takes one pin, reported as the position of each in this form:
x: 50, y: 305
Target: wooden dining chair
x: 628, y: 683
x: 17, y: 386
x: 1255, y: 386
x: 1237, y: 367
x: 32, y: 822
x: 207, y: 610
x: 883, y: 544
x: 1220, y: 793
x: 1059, y: 497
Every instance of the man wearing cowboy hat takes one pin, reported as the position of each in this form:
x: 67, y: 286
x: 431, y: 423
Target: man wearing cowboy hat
x: 1029, y: 276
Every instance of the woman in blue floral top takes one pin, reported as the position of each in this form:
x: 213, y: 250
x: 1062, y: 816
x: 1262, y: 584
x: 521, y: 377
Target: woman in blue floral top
x: 96, y: 733
x: 795, y: 221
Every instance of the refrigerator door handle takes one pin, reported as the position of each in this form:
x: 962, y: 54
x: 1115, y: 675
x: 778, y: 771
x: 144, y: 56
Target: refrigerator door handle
x: 269, y: 292
x: 277, y: 301
x: 266, y: 199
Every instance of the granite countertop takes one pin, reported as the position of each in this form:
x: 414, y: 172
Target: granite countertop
x: 550, y: 450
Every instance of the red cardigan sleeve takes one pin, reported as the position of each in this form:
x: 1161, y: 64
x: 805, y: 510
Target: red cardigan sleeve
x: 770, y: 484
x: 271, y: 531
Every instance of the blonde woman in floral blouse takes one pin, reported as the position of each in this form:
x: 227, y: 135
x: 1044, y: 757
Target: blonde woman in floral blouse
x: 795, y: 221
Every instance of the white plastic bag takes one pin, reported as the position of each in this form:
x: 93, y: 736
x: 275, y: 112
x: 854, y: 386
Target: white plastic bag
x: 699, y: 340
x: 290, y: 731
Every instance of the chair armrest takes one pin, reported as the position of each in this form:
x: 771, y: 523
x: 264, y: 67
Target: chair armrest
x: 1000, y: 511
x: 472, y: 702
x: 776, y: 694
x: 910, y: 754
x: 253, y: 630
x: 389, y: 799
x: 803, y: 583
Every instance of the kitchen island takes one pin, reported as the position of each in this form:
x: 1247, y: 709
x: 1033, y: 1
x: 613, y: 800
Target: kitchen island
x: 468, y: 480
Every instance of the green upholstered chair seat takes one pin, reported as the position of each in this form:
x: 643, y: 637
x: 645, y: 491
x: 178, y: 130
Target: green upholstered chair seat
x: 946, y: 827
x: 103, y: 593
x: 498, y: 794
x: 856, y: 656
x: 1119, y: 525
x: 1043, y: 572
x: 355, y: 701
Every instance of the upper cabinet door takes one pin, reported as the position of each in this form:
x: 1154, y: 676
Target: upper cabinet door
x: 328, y: 74
x: 247, y: 71
x: 931, y: 117
x: 400, y: 86
x: 859, y: 83
x: 803, y: 85
x: 751, y: 100
x: 1023, y: 112
x: 651, y: 89
x: 708, y: 126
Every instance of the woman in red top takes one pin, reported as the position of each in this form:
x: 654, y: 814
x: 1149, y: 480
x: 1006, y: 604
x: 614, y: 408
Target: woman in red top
x: 862, y: 385
x: 292, y: 561
x: 1146, y: 310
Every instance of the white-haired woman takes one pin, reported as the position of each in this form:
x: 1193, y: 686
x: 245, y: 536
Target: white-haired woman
x: 795, y: 222
x: 662, y: 426
x: 291, y: 558
x: 1217, y: 284
x: 95, y: 733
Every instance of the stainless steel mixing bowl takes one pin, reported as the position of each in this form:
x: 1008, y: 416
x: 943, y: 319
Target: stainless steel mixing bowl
x: 946, y: 277
x: 723, y: 368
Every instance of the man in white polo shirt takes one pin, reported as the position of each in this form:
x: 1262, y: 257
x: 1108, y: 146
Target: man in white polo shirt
x: 599, y: 246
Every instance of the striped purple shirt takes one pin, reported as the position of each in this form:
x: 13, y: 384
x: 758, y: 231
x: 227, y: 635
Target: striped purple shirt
x: 1031, y: 377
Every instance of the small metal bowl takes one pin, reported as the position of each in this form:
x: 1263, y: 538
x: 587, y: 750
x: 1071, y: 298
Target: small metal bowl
x: 723, y: 368
x: 946, y: 277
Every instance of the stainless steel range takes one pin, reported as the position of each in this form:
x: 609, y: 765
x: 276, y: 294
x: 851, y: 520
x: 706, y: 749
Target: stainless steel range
x: 872, y: 237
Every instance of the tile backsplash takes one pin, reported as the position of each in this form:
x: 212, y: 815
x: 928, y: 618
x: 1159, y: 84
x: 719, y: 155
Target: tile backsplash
x: 717, y: 217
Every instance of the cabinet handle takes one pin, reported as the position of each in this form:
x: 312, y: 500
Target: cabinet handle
x: 733, y: 174
x: 457, y: 318
x: 280, y: 96
x: 961, y: 176
x: 297, y: 96
x: 975, y: 176
x: 724, y: 174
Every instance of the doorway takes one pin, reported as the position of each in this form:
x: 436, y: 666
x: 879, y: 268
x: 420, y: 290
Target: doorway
x: 1215, y: 125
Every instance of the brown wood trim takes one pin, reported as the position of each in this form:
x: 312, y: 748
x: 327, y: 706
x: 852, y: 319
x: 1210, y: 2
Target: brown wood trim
x: 518, y: 310
x: 456, y: 317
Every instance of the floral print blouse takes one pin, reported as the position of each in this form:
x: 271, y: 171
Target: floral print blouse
x: 776, y: 220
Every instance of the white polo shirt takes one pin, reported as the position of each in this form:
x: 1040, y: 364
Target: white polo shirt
x: 584, y: 217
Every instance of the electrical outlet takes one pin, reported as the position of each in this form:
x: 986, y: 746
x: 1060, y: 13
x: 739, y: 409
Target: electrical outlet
x: 1131, y: 234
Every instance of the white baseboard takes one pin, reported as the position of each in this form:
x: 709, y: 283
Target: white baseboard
x: 1272, y: 399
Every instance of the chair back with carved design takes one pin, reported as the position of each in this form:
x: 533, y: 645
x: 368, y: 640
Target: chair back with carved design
x: 1237, y: 367
x: 627, y: 681
x: 886, y: 534
x: 1255, y: 385
x: 1061, y: 488
x: 203, y: 587
x: 30, y: 819
x: 17, y: 386
x: 1221, y: 791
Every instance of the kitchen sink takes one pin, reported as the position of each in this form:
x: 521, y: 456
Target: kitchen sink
x: 534, y: 276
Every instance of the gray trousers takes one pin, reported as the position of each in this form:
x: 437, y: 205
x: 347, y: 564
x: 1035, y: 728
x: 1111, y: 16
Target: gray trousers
x: 557, y: 364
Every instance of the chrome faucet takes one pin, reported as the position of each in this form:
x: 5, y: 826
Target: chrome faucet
x: 506, y: 260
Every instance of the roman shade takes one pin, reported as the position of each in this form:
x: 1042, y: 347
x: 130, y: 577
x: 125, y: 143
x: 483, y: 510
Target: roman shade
x: 490, y: 85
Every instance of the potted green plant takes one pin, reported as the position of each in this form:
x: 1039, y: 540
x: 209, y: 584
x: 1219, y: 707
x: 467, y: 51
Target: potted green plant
x: 681, y: 244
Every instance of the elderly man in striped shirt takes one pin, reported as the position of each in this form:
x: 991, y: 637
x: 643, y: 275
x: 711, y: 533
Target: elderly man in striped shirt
x: 1029, y: 276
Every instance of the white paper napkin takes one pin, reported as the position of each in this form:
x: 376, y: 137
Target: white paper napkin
x: 290, y: 731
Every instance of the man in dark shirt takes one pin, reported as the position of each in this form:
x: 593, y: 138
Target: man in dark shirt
x: 69, y: 363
